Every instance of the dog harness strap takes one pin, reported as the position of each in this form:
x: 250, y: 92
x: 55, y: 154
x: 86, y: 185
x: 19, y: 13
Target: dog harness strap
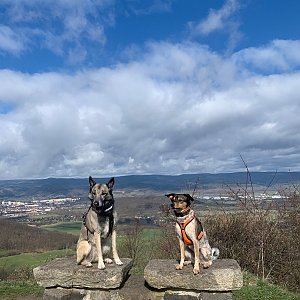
x: 186, y: 239
x: 184, y: 235
x: 111, y: 224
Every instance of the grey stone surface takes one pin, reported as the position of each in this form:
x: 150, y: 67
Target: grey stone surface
x: 62, y: 294
x: 181, y: 296
x: 64, y: 272
x: 133, y: 289
x: 185, y: 295
x: 63, y: 279
x: 216, y: 296
x: 78, y: 294
x: 223, y: 275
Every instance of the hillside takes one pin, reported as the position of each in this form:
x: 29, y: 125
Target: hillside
x: 18, y: 238
x: 53, y: 187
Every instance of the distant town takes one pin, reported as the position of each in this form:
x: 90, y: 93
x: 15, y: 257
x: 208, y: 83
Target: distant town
x: 12, y: 209
x: 71, y: 208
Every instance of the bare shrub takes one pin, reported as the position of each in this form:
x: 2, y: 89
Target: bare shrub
x: 263, y: 236
x: 168, y: 243
x: 132, y: 244
x: 17, y: 238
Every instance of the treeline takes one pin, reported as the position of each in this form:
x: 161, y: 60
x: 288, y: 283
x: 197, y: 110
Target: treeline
x: 17, y: 238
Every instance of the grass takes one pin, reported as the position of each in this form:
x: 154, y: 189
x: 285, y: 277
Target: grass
x: 258, y: 289
x: 20, y: 289
x: 16, y: 273
x: 66, y: 227
x: 32, y: 260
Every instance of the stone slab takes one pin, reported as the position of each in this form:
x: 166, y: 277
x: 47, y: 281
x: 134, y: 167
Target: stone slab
x: 224, y: 275
x: 64, y: 272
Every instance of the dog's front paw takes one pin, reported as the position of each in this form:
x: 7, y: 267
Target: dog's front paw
x: 118, y: 262
x: 87, y: 264
x: 207, y: 264
x: 179, y: 267
x: 108, y: 260
x: 101, y: 265
x: 196, y: 271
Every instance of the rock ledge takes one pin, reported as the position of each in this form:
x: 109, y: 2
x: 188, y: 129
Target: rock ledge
x: 65, y: 273
x: 224, y: 275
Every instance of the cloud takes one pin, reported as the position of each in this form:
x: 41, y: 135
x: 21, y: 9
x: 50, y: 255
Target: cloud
x: 175, y: 108
x: 277, y: 56
x: 216, y: 19
x: 144, y: 8
x: 222, y: 20
x: 62, y: 27
x: 9, y: 41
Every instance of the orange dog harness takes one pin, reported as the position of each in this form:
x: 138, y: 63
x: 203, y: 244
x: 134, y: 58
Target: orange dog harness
x: 186, y: 239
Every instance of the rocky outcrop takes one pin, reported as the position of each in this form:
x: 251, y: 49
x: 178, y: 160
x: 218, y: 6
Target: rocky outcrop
x: 224, y: 275
x: 64, y: 272
x: 62, y: 278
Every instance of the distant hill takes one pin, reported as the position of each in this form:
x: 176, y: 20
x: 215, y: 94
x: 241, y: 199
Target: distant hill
x: 55, y: 187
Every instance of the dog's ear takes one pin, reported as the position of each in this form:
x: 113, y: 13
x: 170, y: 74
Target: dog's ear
x: 92, y: 182
x: 111, y: 183
x: 170, y: 196
x: 189, y: 197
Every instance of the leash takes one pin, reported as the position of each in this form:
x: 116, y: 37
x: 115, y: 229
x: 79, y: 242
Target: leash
x: 84, y: 223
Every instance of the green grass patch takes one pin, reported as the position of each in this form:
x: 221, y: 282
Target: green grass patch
x: 17, y: 277
x: 257, y: 289
x: 32, y: 259
x: 19, y: 289
x: 66, y: 227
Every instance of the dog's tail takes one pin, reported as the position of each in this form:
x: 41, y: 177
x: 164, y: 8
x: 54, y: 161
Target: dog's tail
x: 215, y: 253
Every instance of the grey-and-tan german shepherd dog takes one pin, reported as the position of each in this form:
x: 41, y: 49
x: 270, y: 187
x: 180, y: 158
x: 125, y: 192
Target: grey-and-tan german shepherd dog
x: 193, y: 240
x: 98, y: 226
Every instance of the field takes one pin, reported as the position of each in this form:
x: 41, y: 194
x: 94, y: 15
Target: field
x: 66, y: 227
x: 32, y: 260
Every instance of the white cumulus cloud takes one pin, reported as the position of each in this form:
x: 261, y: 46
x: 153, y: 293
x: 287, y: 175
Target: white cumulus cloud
x: 177, y: 108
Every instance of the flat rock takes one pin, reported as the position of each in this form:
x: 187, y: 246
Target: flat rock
x: 223, y: 275
x: 64, y: 272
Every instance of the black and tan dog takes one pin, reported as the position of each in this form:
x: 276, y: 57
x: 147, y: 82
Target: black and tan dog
x: 98, y: 225
x: 192, y: 238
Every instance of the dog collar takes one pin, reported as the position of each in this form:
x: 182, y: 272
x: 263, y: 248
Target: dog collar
x: 182, y: 213
x: 108, y: 209
x: 190, y: 216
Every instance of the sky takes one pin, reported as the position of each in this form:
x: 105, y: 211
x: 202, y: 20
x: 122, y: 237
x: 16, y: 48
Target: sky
x: 110, y: 88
